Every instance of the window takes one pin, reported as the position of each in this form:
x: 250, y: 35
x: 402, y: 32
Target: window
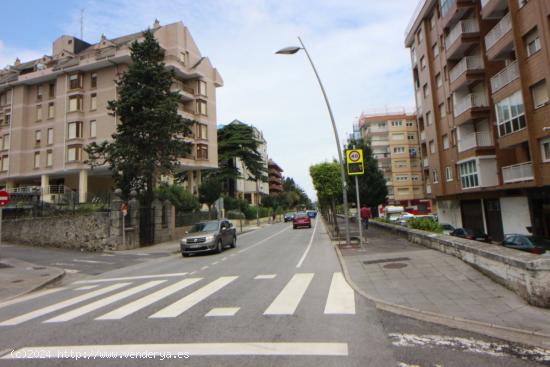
x: 397, y: 136
x: 448, y: 173
x: 435, y: 50
x: 202, y: 88
x: 51, y: 110
x: 5, y: 163
x: 37, y: 137
x: 425, y: 90
x: 50, y: 136
x: 453, y: 137
x: 397, y: 123
x: 6, y: 142
x: 401, y: 178
x: 432, y: 147
x: 93, y: 80
x: 39, y: 92
x: 435, y: 176
x: 544, y: 148
x: 7, y: 119
x: 532, y: 42
x: 445, y: 141
x: 420, y: 36
x: 432, y: 21
x: 182, y: 57
x: 412, y: 154
x: 36, y: 159
x: 75, y: 103
x: 74, y: 130
x: 411, y: 136
x: 93, y: 101
x: 539, y: 93
x: 438, y: 80
x: 202, y: 131
x: 202, y: 151
x: 422, y: 63
x: 468, y: 174
x: 51, y: 88
x: 75, y: 81
x: 38, y: 112
x: 442, y: 110
x: 401, y: 164
x: 93, y: 129
x: 49, y: 158
x: 381, y: 124
x: 398, y: 150
x: 74, y: 153
x: 510, y: 114
x: 410, y: 123
x: 201, y: 107
x: 415, y: 178
x: 429, y: 118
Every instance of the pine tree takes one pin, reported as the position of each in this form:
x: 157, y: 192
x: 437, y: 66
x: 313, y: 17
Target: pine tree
x: 148, y: 141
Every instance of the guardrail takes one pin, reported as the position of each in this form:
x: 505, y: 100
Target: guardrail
x: 505, y: 77
x: 498, y: 31
x: 517, y: 172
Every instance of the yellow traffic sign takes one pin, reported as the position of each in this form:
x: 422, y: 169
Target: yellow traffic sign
x: 354, y: 160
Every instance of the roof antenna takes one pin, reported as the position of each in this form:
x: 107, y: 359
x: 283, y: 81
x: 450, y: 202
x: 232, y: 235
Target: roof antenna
x: 82, y: 24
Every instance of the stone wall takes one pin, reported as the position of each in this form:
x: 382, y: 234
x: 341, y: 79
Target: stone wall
x: 526, y: 274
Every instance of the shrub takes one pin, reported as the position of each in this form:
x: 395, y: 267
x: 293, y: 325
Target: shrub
x: 182, y: 199
x: 250, y: 212
x: 425, y: 224
x: 383, y: 220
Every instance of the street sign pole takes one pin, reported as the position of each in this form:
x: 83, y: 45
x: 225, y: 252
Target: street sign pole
x: 4, y: 200
x: 354, y: 161
x: 359, y: 212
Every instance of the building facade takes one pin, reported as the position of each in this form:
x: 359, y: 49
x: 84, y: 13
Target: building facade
x: 275, y: 178
x: 481, y: 70
x: 394, y: 140
x: 51, y: 108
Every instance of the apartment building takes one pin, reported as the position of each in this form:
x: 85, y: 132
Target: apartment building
x: 394, y: 140
x: 52, y: 107
x: 481, y: 71
x: 275, y: 178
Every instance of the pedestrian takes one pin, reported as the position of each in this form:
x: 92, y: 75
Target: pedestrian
x: 365, y: 215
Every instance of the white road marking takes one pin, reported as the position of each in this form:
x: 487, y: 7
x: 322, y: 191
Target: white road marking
x: 92, y: 261
x: 193, y: 272
x: 287, y: 301
x: 30, y: 296
x: 60, y: 305
x: 110, y: 255
x: 179, y: 307
x: 299, y: 265
x: 225, y: 258
x: 265, y: 276
x: 204, y: 267
x: 341, y: 297
x: 192, y: 349
x: 223, y: 311
x: 141, y: 303
x: 71, y: 271
x: 170, y: 275
x: 215, y: 263
x: 87, y: 287
x: 264, y: 240
x: 73, y: 314
x: 140, y: 254
x: 62, y: 264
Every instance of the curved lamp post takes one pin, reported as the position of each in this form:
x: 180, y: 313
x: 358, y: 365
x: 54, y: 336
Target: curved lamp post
x: 290, y: 51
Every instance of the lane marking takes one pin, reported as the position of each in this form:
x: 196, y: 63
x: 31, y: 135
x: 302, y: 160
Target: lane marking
x: 232, y: 255
x: 215, y: 263
x: 80, y: 311
x: 170, y: 275
x: 141, y: 303
x: 264, y: 240
x: 60, y: 305
x: 223, y: 311
x: 179, y: 307
x: 30, y: 296
x: 92, y: 261
x: 193, y: 272
x: 299, y: 265
x: 192, y: 349
x: 225, y: 258
x: 204, y: 267
x: 341, y: 297
x: 287, y: 301
x: 265, y: 276
x: 87, y: 287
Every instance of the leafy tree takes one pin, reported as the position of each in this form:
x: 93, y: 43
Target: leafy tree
x: 148, y: 140
x: 182, y: 199
x: 327, y: 182
x: 209, y: 191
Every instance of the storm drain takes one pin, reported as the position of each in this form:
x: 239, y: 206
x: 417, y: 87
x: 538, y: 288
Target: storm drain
x: 390, y: 260
x: 395, y: 266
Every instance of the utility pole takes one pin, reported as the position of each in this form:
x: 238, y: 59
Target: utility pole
x: 82, y: 24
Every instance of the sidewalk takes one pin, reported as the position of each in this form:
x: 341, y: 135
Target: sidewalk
x: 407, y: 278
x: 20, y: 277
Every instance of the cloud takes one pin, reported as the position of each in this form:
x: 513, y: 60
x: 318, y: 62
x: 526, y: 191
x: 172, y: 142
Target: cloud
x: 8, y: 54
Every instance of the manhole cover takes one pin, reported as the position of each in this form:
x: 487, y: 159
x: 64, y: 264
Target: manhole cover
x: 395, y: 266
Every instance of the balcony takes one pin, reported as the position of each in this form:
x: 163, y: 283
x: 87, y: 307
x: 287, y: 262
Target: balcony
x: 461, y: 37
x: 475, y: 140
x: 423, y: 135
x: 491, y: 9
x: 452, y: 10
x: 428, y: 189
x: 468, y: 70
x: 187, y: 93
x: 470, y: 102
x: 504, y: 77
x: 518, y: 172
x: 499, y: 41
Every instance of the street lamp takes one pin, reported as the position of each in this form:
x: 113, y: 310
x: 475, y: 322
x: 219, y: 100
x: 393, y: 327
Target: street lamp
x: 290, y: 51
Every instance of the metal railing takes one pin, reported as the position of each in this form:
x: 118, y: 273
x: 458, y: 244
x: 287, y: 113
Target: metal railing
x: 465, y: 64
x: 498, y: 31
x: 478, y: 139
x: 462, y: 27
x: 505, y: 77
x: 470, y: 101
x: 517, y: 172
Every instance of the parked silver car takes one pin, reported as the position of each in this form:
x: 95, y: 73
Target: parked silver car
x: 213, y: 235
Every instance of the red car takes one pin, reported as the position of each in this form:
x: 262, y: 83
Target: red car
x: 301, y: 220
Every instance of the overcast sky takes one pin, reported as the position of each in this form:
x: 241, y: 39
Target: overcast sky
x: 357, y: 46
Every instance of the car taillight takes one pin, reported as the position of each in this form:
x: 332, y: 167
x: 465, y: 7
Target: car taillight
x: 537, y: 250
x: 470, y: 237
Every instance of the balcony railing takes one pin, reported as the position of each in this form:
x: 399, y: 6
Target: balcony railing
x: 479, y: 139
x: 498, y: 31
x: 470, y: 101
x: 505, y: 77
x: 462, y: 27
x: 467, y: 63
x: 517, y: 172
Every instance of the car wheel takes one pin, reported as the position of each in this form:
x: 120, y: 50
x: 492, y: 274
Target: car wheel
x: 234, y: 242
x: 309, y: 226
x: 219, y: 247
x: 293, y: 227
x: 184, y: 254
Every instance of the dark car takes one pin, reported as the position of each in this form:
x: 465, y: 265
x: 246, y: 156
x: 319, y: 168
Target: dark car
x: 289, y: 216
x: 471, y: 234
x: 311, y: 213
x: 301, y: 219
x: 213, y: 235
x: 532, y: 244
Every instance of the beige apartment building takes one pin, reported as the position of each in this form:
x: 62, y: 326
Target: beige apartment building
x: 394, y: 140
x: 51, y: 108
x: 481, y: 72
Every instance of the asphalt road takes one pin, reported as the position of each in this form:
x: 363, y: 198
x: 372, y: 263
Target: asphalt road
x: 278, y: 299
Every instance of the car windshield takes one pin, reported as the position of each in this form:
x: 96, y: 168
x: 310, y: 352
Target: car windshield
x: 289, y: 214
x: 447, y: 227
x: 474, y: 232
x: 204, y: 227
x: 540, y: 242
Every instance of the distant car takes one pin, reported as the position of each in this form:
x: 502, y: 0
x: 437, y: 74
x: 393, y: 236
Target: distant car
x: 289, y: 216
x: 403, y: 219
x: 471, y: 234
x: 532, y: 244
x: 447, y: 228
x: 311, y: 213
x: 301, y: 219
x: 213, y: 235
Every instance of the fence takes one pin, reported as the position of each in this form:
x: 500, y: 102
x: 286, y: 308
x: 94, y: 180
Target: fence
x: 186, y: 219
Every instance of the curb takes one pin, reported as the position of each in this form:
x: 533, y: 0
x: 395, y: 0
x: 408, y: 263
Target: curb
x: 40, y: 286
x: 510, y: 334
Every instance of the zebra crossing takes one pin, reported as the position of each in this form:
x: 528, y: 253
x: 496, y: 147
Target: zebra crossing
x: 340, y: 299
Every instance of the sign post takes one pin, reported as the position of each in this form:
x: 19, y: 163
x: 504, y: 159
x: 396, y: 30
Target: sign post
x: 4, y: 200
x: 355, y: 165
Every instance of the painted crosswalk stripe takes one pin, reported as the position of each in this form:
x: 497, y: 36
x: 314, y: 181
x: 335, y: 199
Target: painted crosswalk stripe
x: 60, y: 305
x: 341, y: 297
x: 87, y: 287
x: 179, y: 307
x: 29, y: 297
x: 141, y: 303
x: 192, y: 349
x: 73, y: 314
x: 154, y: 276
x: 287, y: 301
x: 265, y: 276
x: 223, y: 311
